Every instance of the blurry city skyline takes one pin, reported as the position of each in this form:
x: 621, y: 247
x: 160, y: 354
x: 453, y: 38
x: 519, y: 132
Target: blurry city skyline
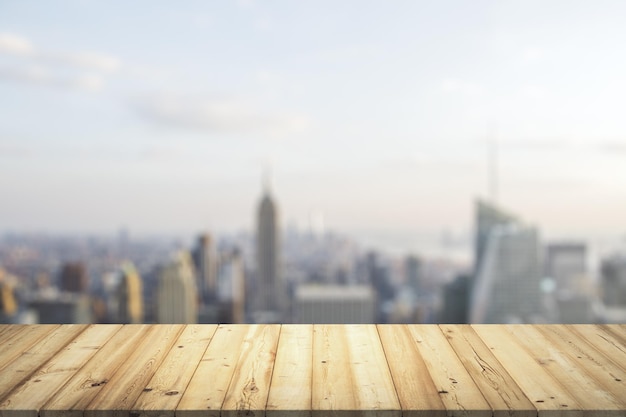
x: 376, y: 118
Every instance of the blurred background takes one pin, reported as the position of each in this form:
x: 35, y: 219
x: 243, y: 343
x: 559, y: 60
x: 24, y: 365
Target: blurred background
x: 312, y: 162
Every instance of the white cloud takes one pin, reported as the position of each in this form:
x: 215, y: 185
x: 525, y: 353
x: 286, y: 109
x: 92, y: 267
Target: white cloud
x: 88, y: 60
x: 15, y: 44
x: 39, y: 76
x: 18, y: 45
x: 218, y: 114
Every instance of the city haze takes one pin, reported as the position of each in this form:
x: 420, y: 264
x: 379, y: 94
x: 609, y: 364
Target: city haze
x: 377, y: 119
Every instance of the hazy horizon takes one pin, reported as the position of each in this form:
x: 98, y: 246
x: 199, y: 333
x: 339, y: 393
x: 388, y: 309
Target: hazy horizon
x: 374, y: 117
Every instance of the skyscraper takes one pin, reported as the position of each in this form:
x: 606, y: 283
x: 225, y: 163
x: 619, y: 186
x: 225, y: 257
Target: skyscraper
x: 231, y: 287
x: 566, y: 264
x: 129, y: 296
x: 505, y: 287
x: 412, y: 266
x: 488, y: 216
x: 177, y: 294
x: 205, y: 260
x: 270, y: 295
x: 73, y: 277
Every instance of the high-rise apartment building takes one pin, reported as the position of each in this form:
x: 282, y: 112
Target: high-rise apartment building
x: 177, y: 294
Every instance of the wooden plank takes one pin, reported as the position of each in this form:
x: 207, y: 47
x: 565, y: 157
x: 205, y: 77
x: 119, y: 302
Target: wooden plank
x: 376, y: 393
x: 542, y: 389
x: 416, y: 390
x: 26, y: 399
x: 205, y: 392
x: 7, y: 329
x: 350, y: 373
x: 588, y: 393
x: 605, y: 342
x: 497, y: 386
x: 587, y: 358
x: 118, y: 395
x: 162, y: 394
x: 616, y: 330
x: 249, y: 387
x: 290, y: 388
x: 81, y: 388
x: 30, y: 360
x: 457, y: 389
x: 332, y: 378
x: 22, y: 340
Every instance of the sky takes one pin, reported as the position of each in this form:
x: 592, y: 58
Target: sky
x: 372, y: 117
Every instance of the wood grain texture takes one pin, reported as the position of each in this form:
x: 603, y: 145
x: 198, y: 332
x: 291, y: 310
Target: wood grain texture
x: 24, y: 365
x: 249, y: 387
x: 28, y: 397
x: 588, y: 393
x: 164, y: 391
x: 119, y: 394
x: 73, y: 397
x: 497, y: 386
x: 458, y: 391
x: 332, y: 379
x: 312, y: 370
x: 350, y: 373
x: 7, y: 330
x: 542, y: 389
x: 605, y: 342
x: 616, y: 330
x: 290, y: 389
x: 23, y: 338
x: 589, y: 360
x: 416, y: 390
x: 207, y: 389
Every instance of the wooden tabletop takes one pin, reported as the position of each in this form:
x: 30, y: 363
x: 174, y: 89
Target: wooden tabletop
x: 312, y: 370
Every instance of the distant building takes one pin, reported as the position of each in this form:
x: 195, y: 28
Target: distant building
x: 565, y: 267
x: 270, y: 299
x: 66, y: 308
x: 412, y: 267
x: 456, y: 301
x: 335, y: 304
x: 205, y: 261
x: 575, y: 309
x: 506, y: 288
x: 177, y: 294
x: 487, y: 217
x: 566, y: 264
x: 8, y: 299
x: 231, y: 288
x: 614, y: 281
x: 129, y: 296
x: 73, y: 278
